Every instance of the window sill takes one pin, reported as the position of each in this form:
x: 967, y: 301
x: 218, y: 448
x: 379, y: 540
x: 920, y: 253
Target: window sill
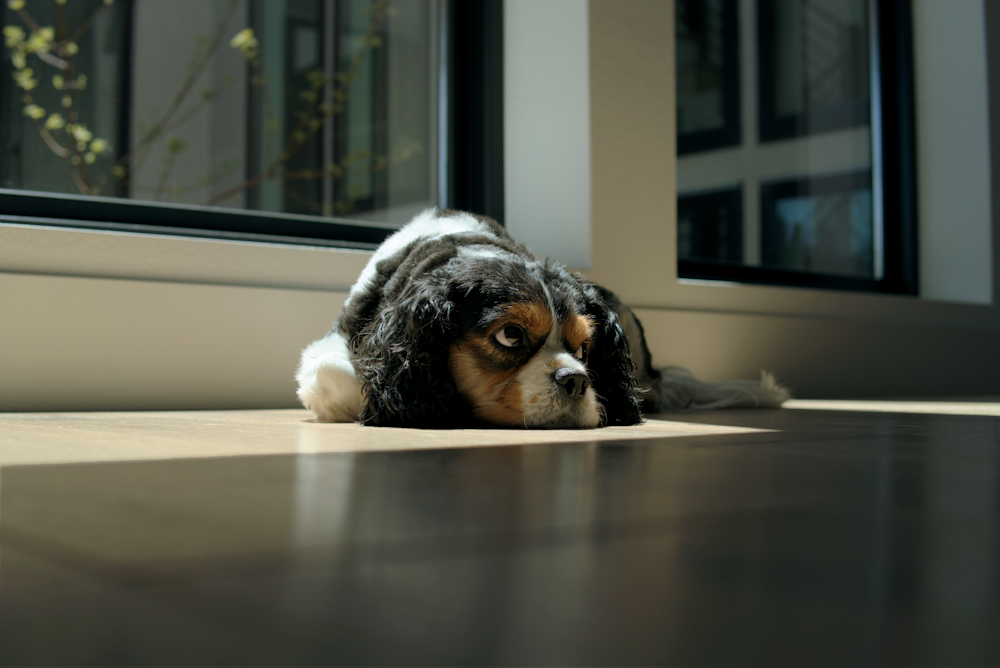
x: 55, y: 251
x: 58, y: 251
x: 867, y: 307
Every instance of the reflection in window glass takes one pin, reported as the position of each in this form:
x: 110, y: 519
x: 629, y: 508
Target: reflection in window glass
x: 806, y: 199
x: 814, y: 66
x: 319, y: 107
x: 708, y: 226
x: 823, y: 225
x: 707, y: 76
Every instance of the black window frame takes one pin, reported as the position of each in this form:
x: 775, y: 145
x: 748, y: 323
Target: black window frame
x: 472, y: 53
x: 894, y: 124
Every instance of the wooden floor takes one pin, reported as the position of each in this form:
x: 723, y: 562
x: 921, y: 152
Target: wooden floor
x: 833, y: 533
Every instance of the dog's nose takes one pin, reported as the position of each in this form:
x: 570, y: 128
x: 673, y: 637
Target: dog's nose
x: 574, y: 381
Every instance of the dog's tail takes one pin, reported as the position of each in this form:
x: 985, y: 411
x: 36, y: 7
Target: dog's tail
x: 678, y: 390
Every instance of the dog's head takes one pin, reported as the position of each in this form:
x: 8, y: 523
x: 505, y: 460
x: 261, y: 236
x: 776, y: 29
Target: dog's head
x: 469, y: 333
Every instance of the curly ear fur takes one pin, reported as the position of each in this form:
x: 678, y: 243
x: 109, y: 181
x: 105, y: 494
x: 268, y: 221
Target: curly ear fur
x: 402, y: 364
x: 401, y: 355
x: 610, y: 363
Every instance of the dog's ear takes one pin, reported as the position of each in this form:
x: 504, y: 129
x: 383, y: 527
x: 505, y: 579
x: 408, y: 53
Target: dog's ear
x: 402, y: 357
x: 610, y: 362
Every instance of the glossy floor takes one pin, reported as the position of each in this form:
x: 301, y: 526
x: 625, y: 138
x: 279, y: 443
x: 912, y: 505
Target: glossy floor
x: 793, y: 537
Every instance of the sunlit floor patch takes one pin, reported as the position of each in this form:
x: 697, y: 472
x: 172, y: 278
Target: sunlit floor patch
x: 48, y: 438
x: 988, y: 406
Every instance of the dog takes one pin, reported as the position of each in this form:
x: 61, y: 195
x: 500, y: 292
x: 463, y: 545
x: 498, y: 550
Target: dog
x: 452, y: 324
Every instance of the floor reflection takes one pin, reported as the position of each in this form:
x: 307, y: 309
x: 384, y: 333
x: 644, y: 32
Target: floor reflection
x: 573, y: 554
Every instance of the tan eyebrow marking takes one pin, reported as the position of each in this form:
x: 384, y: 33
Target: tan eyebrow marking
x: 576, y: 329
x: 535, y: 317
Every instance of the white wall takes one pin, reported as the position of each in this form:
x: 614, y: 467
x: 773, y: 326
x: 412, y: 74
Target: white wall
x: 956, y: 250
x: 111, y: 344
x: 547, y: 127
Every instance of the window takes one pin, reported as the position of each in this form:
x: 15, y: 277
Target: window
x: 795, y: 143
x: 318, y: 121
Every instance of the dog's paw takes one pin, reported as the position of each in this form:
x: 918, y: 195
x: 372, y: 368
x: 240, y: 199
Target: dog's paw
x: 328, y: 383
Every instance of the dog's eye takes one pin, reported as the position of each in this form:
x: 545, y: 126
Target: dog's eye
x: 510, y: 336
x: 580, y: 352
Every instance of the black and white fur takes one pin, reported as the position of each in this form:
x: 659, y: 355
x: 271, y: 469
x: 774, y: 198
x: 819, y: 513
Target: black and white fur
x: 452, y: 323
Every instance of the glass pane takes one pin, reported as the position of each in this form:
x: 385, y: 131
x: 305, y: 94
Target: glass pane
x: 62, y: 113
x: 707, y: 74
x: 821, y: 225
x: 318, y: 107
x: 814, y: 66
x: 806, y: 201
x: 708, y: 226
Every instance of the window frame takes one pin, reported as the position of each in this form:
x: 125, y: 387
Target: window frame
x: 893, y: 129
